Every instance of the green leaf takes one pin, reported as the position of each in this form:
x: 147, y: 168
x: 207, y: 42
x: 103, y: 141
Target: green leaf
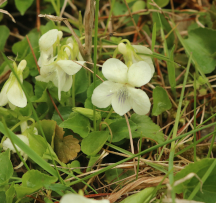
x: 22, y: 49
x: 203, y: 48
x: 138, y: 5
x: 40, y: 92
x: 66, y: 147
x: 5, y: 32
x: 93, y: 143
x: 161, y: 101
x: 120, y: 131
x: 2, y: 197
x: 75, y: 164
x: 32, y: 181
x: 143, y: 196
x: 37, y: 143
x: 208, y: 193
x: 65, y: 112
x: 87, y: 113
x: 42, y: 110
x: 146, y: 128
x: 161, y: 3
x: 10, y: 193
x: 48, y: 127
x: 77, y: 123
x: 49, y: 26
x: 23, y: 5
x: 81, y: 81
x: 6, y: 169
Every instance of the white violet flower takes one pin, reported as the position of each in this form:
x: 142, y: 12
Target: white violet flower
x: 48, y: 43
x: 75, y: 198
x: 58, y: 69
x: 7, y: 144
x: 130, y: 53
x: 12, y: 92
x: 119, y: 90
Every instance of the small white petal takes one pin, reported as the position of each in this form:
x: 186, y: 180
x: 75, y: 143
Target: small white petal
x: 7, y: 144
x: 44, y: 78
x: 67, y: 50
x: 3, y: 94
x: 46, y: 57
x: 22, y: 65
x: 79, y: 57
x: 147, y: 59
x: 102, y: 94
x: 48, y: 39
x: 139, y: 74
x: 61, y: 75
x: 69, y: 66
x: 121, y: 101
x: 75, y: 198
x: 68, y: 83
x: 141, y: 49
x: 122, y: 48
x: 16, y: 95
x: 115, y: 70
x: 140, y: 101
x: 48, y: 70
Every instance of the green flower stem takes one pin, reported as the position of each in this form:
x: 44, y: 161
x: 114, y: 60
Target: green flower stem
x: 140, y: 153
x: 95, y: 57
x: 175, y: 129
x: 73, y: 92
x: 109, y: 114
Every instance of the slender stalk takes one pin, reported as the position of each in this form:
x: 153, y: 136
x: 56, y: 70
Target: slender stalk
x: 175, y: 129
x: 140, y: 146
x: 73, y: 92
x: 95, y: 57
x: 195, y: 117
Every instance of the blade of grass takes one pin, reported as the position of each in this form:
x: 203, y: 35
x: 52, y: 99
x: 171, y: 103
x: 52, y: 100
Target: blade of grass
x: 170, y: 65
x: 140, y: 153
x: 195, y: 117
x: 211, y: 146
x: 153, y: 37
x: 171, y: 73
x: 95, y: 57
x: 175, y: 129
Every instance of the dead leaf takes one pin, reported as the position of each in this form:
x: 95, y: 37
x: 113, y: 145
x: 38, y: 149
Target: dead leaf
x: 66, y: 147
